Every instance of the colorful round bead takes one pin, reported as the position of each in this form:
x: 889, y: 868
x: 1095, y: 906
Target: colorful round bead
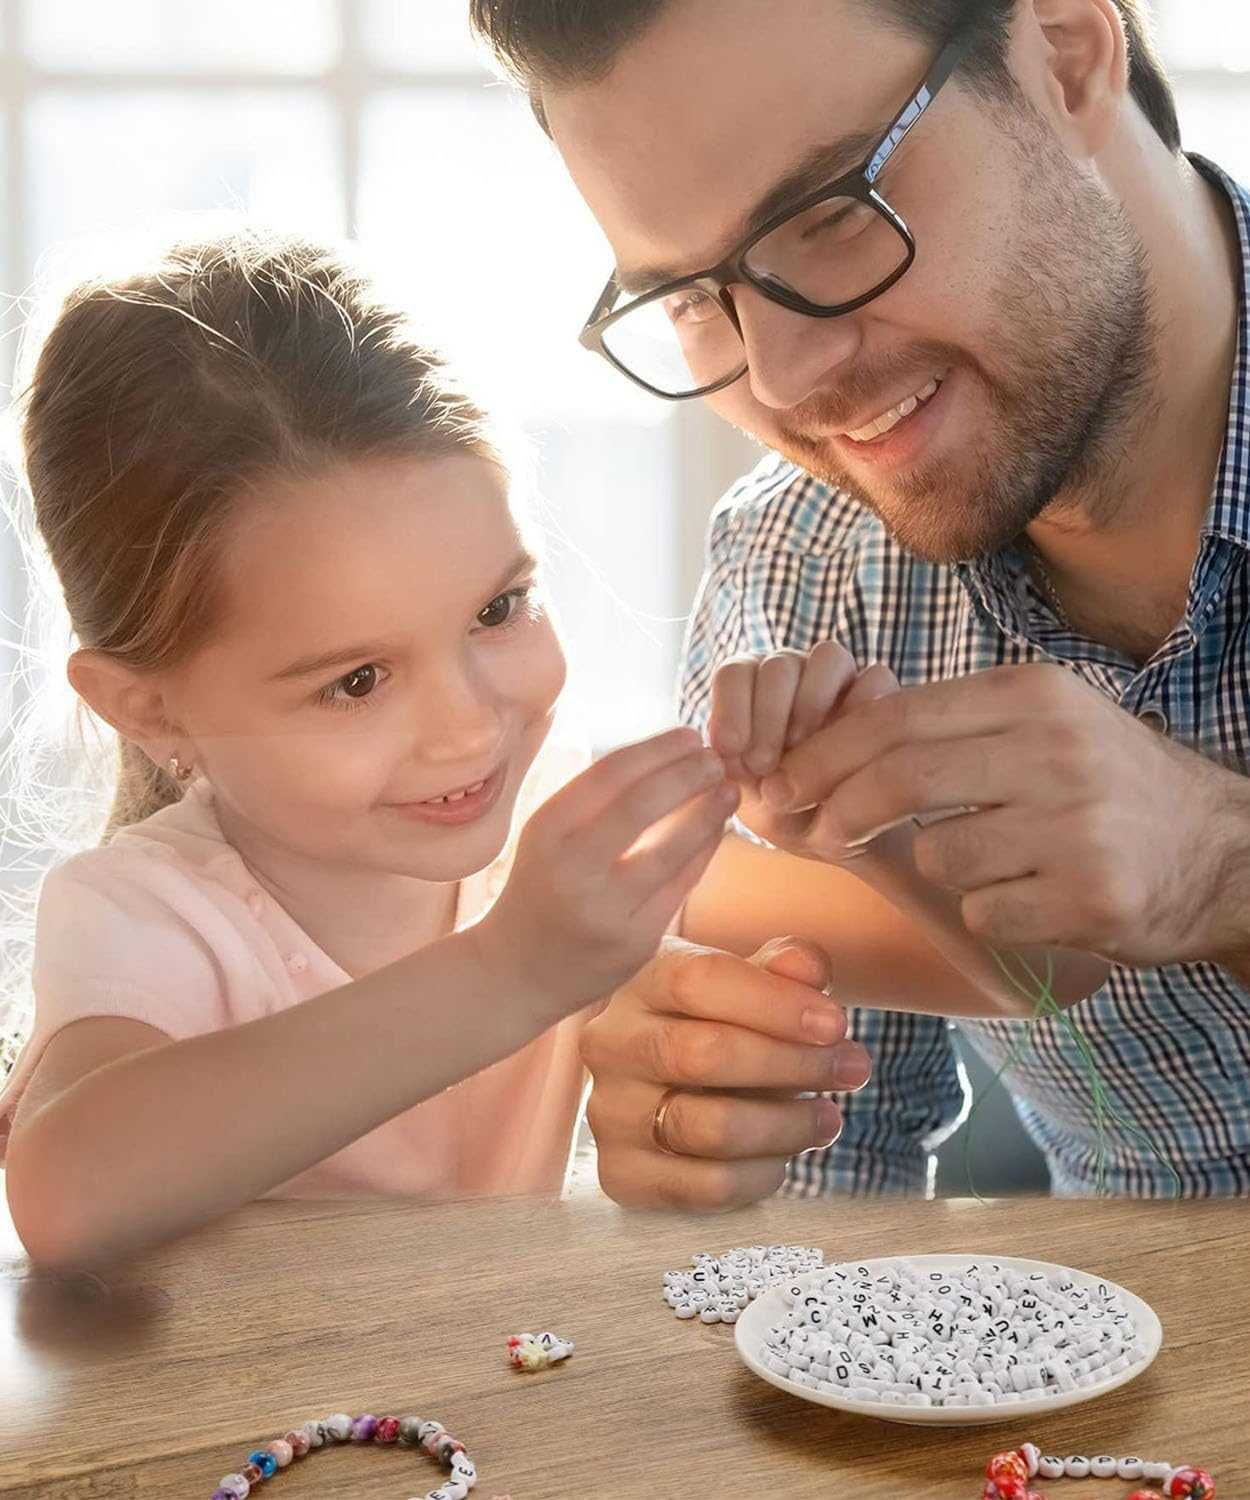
x: 1007, y: 1466
x: 1190, y: 1484
x: 387, y: 1430
x: 236, y: 1485
x: 297, y: 1442
x: 1145, y: 1495
x: 410, y: 1431
x: 282, y: 1451
x: 264, y: 1461
x: 338, y: 1426
x: 363, y: 1428
x: 253, y: 1474
x: 223, y: 1495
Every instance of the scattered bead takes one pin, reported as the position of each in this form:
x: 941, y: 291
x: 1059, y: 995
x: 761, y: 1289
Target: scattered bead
x: 387, y: 1430
x: 363, y: 1428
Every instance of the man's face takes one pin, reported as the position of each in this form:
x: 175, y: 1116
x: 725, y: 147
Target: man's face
x: 962, y: 401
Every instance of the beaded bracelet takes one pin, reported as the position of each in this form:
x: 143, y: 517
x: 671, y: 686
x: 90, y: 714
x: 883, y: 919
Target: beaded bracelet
x: 1007, y: 1475
x: 411, y: 1432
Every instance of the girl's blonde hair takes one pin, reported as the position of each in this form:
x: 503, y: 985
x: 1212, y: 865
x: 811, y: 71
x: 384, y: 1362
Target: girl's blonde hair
x: 159, y: 398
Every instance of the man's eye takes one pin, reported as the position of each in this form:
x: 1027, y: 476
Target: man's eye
x: 691, y: 307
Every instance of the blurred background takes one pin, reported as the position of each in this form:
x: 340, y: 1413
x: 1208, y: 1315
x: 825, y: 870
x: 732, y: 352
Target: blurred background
x: 377, y: 118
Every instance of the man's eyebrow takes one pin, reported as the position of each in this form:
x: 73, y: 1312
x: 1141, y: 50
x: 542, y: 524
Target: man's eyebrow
x: 822, y: 164
x: 363, y: 651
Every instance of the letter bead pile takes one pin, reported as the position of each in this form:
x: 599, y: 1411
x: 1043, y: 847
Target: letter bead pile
x: 717, y: 1287
x: 979, y: 1336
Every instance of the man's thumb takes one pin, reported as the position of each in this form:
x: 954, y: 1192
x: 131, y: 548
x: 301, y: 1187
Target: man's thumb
x: 795, y: 958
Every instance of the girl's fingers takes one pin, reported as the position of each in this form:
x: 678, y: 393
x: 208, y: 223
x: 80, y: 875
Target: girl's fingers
x: 776, y: 682
x: 729, y: 726
x: 690, y: 834
x: 652, y: 798
x: 876, y: 681
x: 827, y: 676
x: 658, y: 911
x: 587, y: 796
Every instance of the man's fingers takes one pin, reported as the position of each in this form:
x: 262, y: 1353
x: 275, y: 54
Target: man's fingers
x: 721, y: 1127
x: 684, y: 1053
x: 984, y: 704
x: 776, y: 682
x: 648, y: 1179
x: 827, y: 683
x: 729, y: 721
x: 793, y: 958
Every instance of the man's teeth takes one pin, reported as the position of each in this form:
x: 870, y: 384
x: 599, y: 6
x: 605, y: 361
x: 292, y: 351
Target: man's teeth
x: 459, y: 796
x: 890, y: 419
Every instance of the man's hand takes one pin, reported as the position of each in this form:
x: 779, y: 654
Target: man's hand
x: 738, y: 1038
x: 1077, y: 827
x: 765, y: 706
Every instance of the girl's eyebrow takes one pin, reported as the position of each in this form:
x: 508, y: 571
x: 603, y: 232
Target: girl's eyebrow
x: 346, y: 656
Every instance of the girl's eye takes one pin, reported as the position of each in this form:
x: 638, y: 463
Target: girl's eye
x: 349, y: 691
x: 503, y: 610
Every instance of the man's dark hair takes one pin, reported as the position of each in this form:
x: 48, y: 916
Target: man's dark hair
x: 544, y: 42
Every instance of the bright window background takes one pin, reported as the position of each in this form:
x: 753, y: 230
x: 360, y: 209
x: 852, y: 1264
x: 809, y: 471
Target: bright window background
x: 377, y: 117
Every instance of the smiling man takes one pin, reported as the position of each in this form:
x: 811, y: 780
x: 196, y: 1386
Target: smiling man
x: 950, y: 264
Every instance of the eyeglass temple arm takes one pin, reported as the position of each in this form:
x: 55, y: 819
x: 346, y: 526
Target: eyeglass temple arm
x: 947, y: 61
x: 606, y: 302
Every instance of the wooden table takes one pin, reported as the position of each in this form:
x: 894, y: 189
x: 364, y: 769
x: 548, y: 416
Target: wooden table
x: 157, y: 1379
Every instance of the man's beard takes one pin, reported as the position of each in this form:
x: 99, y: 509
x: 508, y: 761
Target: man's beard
x: 1073, y: 341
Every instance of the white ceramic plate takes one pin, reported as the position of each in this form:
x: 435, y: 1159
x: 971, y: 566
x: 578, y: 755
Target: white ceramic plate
x: 769, y: 1308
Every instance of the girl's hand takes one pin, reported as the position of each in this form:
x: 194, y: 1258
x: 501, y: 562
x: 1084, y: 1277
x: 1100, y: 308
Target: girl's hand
x: 603, y: 867
x: 762, y: 707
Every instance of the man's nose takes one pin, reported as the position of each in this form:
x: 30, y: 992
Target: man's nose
x: 790, y: 356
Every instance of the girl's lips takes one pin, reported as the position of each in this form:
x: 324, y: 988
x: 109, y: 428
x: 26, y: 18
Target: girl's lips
x: 467, y: 809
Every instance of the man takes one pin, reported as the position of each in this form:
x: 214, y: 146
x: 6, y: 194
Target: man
x: 994, y: 328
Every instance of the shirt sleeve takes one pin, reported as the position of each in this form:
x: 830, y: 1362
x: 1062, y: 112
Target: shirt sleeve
x: 756, y: 597
x: 116, y: 934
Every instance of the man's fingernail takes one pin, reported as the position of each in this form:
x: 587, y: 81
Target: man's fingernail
x: 823, y: 1026
x: 778, y: 790
x: 828, y: 1122
x: 852, y: 1069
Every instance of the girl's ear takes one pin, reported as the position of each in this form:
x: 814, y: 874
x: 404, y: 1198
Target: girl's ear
x: 131, y: 701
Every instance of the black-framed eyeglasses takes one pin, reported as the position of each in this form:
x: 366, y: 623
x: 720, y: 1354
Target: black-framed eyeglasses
x: 831, y: 253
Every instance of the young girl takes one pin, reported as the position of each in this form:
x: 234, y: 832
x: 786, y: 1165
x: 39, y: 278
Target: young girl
x: 310, y: 955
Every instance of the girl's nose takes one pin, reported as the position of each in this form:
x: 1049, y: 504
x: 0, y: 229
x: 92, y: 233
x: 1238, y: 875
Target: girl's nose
x: 461, y: 720
x: 791, y: 357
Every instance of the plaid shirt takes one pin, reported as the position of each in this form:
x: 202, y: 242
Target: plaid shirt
x: 793, y: 562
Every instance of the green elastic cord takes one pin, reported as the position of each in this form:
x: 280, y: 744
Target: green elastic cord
x: 1041, y: 997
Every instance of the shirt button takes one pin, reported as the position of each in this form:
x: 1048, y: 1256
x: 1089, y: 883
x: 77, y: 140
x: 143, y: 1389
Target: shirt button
x: 1153, y: 717
x: 296, y: 963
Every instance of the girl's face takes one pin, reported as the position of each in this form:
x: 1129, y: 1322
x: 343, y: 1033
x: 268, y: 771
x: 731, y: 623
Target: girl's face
x: 385, y: 671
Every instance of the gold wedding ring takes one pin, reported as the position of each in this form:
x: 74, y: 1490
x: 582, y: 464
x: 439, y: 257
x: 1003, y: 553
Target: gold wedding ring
x: 657, y: 1122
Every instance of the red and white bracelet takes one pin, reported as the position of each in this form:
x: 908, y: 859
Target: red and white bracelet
x: 1008, y: 1475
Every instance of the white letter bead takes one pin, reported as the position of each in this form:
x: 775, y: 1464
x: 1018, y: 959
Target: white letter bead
x: 1076, y: 1467
x: 1129, y: 1468
x: 1050, y: 1467
x: 1154, y: 1470
x: 1102, y: 1467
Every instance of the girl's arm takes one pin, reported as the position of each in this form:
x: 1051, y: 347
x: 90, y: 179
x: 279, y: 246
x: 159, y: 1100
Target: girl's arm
x: 900, y: 946
x: 107, y: 1158
x: 113, y: 1157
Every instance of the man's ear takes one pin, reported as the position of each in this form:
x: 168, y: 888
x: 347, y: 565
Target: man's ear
x: 132, y: 702
x: 1076, y: 52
